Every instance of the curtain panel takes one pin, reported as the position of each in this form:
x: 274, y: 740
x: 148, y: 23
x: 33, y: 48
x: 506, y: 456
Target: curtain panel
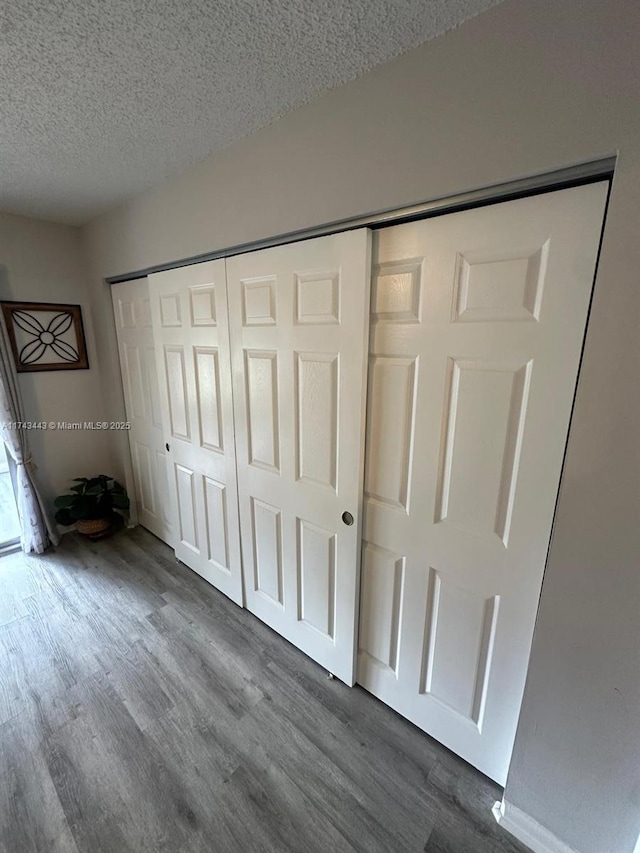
x: 37, y: 528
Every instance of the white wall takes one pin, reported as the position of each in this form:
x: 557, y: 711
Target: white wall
x: 524, y: 88
x: 41, y: 262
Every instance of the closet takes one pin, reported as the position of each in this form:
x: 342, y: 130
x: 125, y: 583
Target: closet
x: 419, y: 573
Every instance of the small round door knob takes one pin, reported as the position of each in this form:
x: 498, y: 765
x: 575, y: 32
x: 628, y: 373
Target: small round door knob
x: 347, y: 518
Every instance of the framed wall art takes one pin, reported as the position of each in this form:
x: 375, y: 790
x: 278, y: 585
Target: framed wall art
x: 45, y: 336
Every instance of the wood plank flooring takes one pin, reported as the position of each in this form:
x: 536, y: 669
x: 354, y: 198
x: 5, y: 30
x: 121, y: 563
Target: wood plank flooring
x: 142, y: 711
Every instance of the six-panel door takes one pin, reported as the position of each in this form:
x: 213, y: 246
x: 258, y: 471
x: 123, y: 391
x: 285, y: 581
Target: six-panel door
x: 134, y: 330
x: 189, y: 310
x: 299, y: 321
x: 478, y: 320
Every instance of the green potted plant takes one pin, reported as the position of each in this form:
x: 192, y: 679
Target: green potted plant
x: 92, y: 504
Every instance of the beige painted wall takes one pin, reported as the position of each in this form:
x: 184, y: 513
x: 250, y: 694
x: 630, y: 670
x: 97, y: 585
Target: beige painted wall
x: 528, y: 87
x: 41, y: 262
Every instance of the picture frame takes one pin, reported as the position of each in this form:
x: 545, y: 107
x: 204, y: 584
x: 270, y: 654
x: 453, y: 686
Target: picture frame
x: 45, y: 336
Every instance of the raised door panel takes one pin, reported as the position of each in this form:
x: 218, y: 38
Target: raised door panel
x: 500, y: 286
x: 485, y: 411
x: 391, y: 426
x: 266, y: 542
x: 317, y: 417
x: 317, y: 298
x: 133, y: 373
x: 125, y: 311
x: 217, y: 523
x: 381, y: 606
x: 397, y: 287
x: 176, y: 383
x: 259, y: 301
x: 170, y: 310
x: 187, y: 510
x: 202, y: 305
x: 261, y: 371
x: 459, y: 637
x: 316, y: 563
x: 150, y: 374
x: 207, y: 374
x: 145, y: 477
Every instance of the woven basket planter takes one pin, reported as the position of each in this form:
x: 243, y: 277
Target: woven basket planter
x: 91, y: 526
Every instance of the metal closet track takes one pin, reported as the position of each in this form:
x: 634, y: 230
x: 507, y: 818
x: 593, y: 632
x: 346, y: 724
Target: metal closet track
x: 595, y: 170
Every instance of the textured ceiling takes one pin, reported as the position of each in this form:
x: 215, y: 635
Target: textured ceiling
x: 102, y: 99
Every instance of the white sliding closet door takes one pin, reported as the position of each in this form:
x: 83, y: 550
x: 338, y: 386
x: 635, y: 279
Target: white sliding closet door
x: 189, y: 310
x: 142, y: 400
x: 478, y: 324
x: 299, y: 322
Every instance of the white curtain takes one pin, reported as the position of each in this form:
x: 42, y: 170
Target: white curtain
x: 37, y: 528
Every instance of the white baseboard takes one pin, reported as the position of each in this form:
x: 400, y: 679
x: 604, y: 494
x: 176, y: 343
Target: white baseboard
x: 528, y: 830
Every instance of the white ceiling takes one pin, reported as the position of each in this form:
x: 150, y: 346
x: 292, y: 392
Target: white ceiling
x: 102, y: 99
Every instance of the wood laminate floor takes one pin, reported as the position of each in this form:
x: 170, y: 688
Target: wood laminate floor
x: 140, y: 710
